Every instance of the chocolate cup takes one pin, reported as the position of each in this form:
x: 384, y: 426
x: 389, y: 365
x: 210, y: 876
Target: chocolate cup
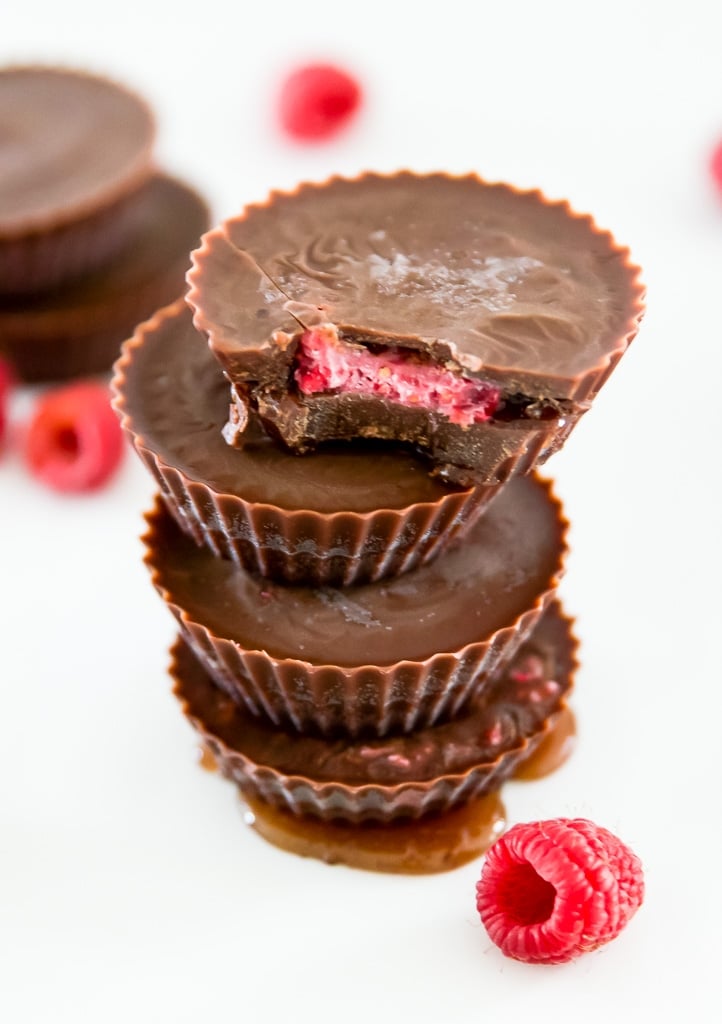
x: 341, y: 517
x: 77, y: 330
x: 37, y: 263
x: 396, y: 655
x: 481, y: 279
x: 80, y: 152
x: 382, y: 780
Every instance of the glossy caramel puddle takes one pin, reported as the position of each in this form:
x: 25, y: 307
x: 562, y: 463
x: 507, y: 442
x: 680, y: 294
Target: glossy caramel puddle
x: 553, y: 750
x: 409, y: 847
x: 206, y: 759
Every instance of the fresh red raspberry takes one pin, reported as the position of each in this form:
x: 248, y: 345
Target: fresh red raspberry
x: 715, y: 165
x: 6, y: 381
x: 316, y: 101
x: 74, y: 441
x: 550, y: 890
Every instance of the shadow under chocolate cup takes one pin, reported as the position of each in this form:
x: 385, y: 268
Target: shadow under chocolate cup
x: 394, y: 655
x: 77, y: 155
x: 341, y: 516
x: 77, y: 329
x: 471, y: 319
x: 430, y: 771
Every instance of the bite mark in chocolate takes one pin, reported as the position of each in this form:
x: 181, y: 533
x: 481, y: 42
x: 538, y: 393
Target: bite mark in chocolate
x: 492, y: 285
x: 326, y: 365
x: 325, y: 362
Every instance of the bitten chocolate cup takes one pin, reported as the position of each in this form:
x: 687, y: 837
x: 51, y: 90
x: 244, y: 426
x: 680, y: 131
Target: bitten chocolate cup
x: 431, y: 770
x: 396, y: 655
x: 76, y: 154
x: 347, y: 515
x: 473, y: 320
x: 77, y: 329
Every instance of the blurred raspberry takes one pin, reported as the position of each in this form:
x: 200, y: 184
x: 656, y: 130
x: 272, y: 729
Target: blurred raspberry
x: 715, y: 165
x: 74, y: 441
x: 6, y: 382
x: 316, y: 101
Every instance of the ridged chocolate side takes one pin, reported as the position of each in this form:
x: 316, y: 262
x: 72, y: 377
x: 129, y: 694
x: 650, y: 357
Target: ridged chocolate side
x: 521, y: 719
x: 403, y: 692
x: 293, y: 544
x: 77, y: 329
x: 340, y: 549
x: 47, y: 259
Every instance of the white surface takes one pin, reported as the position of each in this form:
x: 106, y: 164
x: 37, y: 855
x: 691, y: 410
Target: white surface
x: 130, y: 889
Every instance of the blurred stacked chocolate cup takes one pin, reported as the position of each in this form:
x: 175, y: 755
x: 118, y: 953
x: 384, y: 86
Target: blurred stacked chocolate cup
x: 93, y: 238
x: 369, y: 633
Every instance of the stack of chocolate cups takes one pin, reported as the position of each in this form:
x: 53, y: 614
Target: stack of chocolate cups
x: 343, y: 421
x: 92, y: 237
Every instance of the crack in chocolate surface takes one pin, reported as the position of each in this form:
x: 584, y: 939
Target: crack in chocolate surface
x: 499, y: 281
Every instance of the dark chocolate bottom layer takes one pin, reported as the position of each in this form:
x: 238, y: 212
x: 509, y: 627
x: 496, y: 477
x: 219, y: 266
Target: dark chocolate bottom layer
x: 480, y: 454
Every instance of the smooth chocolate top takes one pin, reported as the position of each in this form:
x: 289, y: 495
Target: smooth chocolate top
x: 177, y: 399
x: 69, y: 143
x: 502, y: 283
x: 527, y: 692
x: 509, y: 559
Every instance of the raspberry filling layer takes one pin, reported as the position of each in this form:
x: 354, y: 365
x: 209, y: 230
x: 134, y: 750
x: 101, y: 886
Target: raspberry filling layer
x: 325, y: 363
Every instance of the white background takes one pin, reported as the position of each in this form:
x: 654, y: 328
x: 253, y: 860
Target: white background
x: 130, y: 889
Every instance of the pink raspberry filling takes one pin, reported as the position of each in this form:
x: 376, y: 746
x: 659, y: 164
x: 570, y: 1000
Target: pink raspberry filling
x: 325, y: 363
